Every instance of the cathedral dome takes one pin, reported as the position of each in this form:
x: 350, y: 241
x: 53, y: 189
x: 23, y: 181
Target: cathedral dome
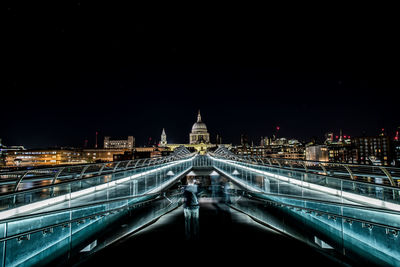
x: 199, y: 126
x: 199, y: 132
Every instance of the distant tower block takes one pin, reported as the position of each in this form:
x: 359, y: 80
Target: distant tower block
x: 119, y: 144
x: 163, y: 138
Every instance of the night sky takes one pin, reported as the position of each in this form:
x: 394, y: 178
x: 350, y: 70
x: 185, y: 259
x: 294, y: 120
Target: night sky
x: 71, y: 69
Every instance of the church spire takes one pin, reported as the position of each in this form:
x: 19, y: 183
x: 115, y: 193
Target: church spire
x: 163, y: 138
x: 199, y: 117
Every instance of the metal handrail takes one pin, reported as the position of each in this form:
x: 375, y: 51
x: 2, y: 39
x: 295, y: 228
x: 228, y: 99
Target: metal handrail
x: 41, y: 169
x: 53, y: 185
x: 80, y: 218
x: 325, y: 212
x: 224, y: 150
x: 327, y: 167
x: 81, y: 169
x: 361, y: 207
x: 8, y: 194
x: 39, y: 214
x: 338, y: 178
x: 14, y: 193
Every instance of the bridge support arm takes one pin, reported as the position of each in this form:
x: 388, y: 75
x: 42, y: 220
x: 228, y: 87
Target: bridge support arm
x: 388, y: 175
x: 349, y: 171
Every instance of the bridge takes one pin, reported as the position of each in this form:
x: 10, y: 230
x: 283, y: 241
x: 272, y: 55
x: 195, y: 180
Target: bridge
x: 257, y: 208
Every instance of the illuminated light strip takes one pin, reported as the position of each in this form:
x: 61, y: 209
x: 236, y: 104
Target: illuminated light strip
x: 332, y: 191
x: 101, y: 187
x: 160, y: 187
x: 59, y: 199
x: 36, y: 205
x: 352, y: 234
x: 246, y: 185
x: 48, y: 245
x: 357, y: 236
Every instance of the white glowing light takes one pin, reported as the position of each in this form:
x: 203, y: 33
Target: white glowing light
x: 332, y: 191
x: 76, y: 194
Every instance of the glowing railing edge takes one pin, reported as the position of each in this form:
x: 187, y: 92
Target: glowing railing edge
x: 340, y: 193
x: 59, y: 199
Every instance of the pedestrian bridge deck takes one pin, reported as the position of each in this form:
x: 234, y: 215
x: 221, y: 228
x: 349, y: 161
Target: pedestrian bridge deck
x: 226, y: 236
x: 347, y: 216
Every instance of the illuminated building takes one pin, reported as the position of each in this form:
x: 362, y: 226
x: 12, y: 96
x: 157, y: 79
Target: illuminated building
x: 277, y: 148
x: 374, y: 150
x: 199, y: 132
x: 396, y: 148
x: 8, y: 150
x: 149, y: 152
x: 43, y: 157
x: 102, y: 155
x: 119, y: 144
x: 128, y: 155
x: 317, y: 153
x: 163, y: 141
x: 46, y: 157
x: 329, y: 138
x: 345, y: 153
x: 340, y: 148
x: 199, y: 138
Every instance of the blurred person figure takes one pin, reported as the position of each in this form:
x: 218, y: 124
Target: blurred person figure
x: 227, y: 188
x: 191, y: 210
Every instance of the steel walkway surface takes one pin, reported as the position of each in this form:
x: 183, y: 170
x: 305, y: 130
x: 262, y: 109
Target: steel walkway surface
x: 226, y: 236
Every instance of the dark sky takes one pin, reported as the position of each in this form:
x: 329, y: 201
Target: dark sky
x: 71, y: 69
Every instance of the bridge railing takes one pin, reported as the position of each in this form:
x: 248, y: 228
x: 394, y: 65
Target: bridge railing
x: 64, y: 233
x: 14, y: 181
x: 299, y: 183
x: 359, y: 219
x: 202, y: 161
x: 384, y: 175
x: 368, y: 173
x: 118, y: 183
x: 364, y: 235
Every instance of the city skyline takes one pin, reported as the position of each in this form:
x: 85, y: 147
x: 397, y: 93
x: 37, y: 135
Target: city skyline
x: 133, y: 76
x: 154, y: 139
x: 242, y: 132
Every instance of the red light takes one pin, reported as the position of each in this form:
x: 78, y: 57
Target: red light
x: 345, y: 136
x: 337, y: 137
x: 277, y: 128
x: 348, y: 136
x: 383, y: 129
